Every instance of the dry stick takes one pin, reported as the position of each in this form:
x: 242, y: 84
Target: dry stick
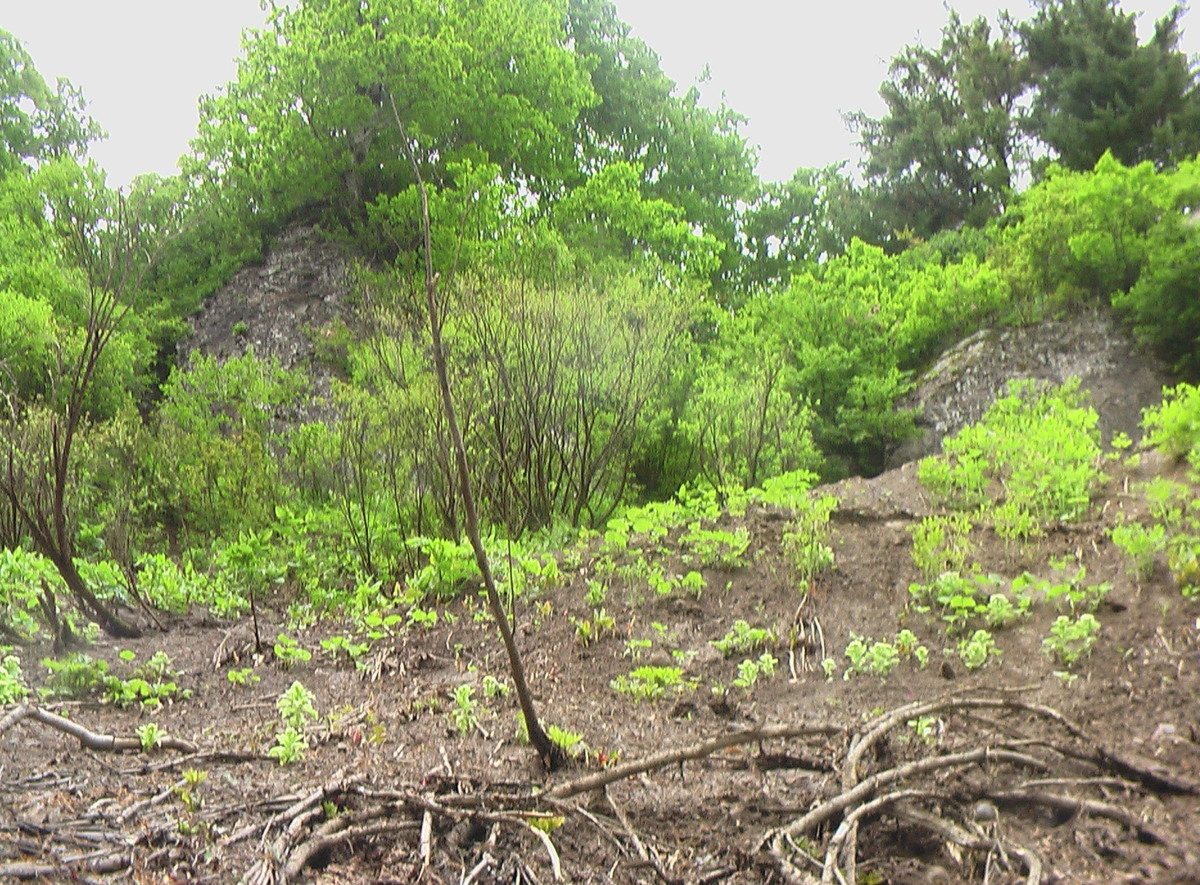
x: 315, y: 797
x: 15, y: 715
x: 881, y: 725
x: 951, y: 832
x: 649, y: 857
x: 306, y: 851
x: 86, y: 737
x: 157, y: 799
x: 847, y: 831
x: 551, y: 754
x: 629, y: 830
x: 555, y: 863
x: 1082, y: 806
x: 694, y: 751
x: 484, y: 862
x: 604, y: 831
x: 864, y: 788
x: 1145, y: 772
x: 426, y: 839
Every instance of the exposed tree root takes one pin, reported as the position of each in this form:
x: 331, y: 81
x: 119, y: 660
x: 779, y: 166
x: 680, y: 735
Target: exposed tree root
x: 868, y: 796
x: 969, y: 799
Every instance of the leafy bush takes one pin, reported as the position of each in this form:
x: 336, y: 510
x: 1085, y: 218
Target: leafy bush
x: 12, y: 681
x: 806, y: 536
x: 649, y: 683
x: 941, y: 544
x: 743, y: 639
x: 1141, y: 544
x: 1174, y: 425
x: 1070, y: 639
x: 1037, y: 449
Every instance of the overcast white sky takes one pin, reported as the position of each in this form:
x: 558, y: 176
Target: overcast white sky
x: 791, y: 66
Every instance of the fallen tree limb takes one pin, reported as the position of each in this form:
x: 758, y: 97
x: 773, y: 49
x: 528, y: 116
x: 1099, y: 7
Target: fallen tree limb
x: 88, y: 738
x: 684, y: 754
x: 339, y: 783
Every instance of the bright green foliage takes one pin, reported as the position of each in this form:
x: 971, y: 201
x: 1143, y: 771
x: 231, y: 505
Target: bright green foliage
x: 1099, y: 89
x: 1174, y: 424
x: 21, y: 575
x: 806, y: 536
x: 289, y: 652
x: 649, y: 683
x: 831, y: 321
x: 1084, y: 235
x: 1164, y: 304
x: 243, y: 677
x: 74, y: 677
x: 950, y: 146
x: 290, y: 746
x: 791, y: 224
x: 881, y: 657
x: 215, y: 462
x: 570, y: 742
x: 310, y: 117
x: 744, y: 639
x: 1070, y: 639
x: 297, y: 705
x: 57, y: 232
x: 745, y: 412
x: 589, y: 630
x: 1037, y: 449
x: 608, y: 219
x: 963, y: 600
x: 717, y: 548
x: 751, y: 669
x: 448, y: 565
x: 12, y: 681
x: 37, y: 123
x: 150, y: 736
x: 463, y: 715
x: 1141, y: 545
x: 977, y: 649
x: 1184, y: 562
x: 150, y: 684
x: 941, y: 544
x: 691, y: 157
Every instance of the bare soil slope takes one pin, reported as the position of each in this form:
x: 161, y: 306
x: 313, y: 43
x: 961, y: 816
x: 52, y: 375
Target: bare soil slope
x: 1007, y: 773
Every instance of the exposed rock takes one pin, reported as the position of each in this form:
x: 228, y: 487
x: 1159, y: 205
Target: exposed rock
x: 280, y: 306
x: 1121, y: 378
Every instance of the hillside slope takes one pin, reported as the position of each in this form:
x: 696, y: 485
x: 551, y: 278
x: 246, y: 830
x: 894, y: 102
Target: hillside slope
x: 1040, y: 771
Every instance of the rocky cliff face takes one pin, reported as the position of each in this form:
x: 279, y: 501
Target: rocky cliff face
x: 282, y: 306
x: 1091, y: 345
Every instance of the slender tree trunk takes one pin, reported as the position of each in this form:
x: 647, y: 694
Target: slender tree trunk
x: 550, y: 753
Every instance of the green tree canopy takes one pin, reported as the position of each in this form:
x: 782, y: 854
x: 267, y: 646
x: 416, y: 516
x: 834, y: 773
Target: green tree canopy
x: 691, y: 157
x: 948, y: 149
x: 38, y: 122
x: 310, y: 119
x: 1099, y: 89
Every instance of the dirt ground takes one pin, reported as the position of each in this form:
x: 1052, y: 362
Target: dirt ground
x: 1008, y: 773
